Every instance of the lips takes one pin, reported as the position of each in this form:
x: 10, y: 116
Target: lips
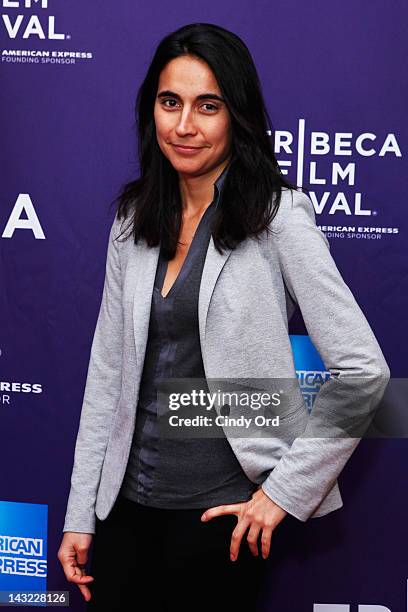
x: 186, y: 151
x: 185, y: 147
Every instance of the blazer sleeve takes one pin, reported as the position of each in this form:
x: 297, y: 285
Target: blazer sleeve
x: 307, y: 472
x: 101, y: 395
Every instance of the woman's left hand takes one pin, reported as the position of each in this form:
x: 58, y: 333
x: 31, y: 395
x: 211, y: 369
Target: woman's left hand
x: 260, y: 512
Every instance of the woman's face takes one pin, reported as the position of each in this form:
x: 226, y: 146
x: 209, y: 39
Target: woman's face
x: 187, y: 112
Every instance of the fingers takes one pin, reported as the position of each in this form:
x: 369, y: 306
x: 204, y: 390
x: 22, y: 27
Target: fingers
x: 72, y: 571
x: 77, y: 575
x: 73, y: 555
x: 220, y: 510
x: 266, y: 540
x: 79, y: 578
x: 252, y: 538
x: 260, y: 513
x: 85, y: 592
x: 236, y: 537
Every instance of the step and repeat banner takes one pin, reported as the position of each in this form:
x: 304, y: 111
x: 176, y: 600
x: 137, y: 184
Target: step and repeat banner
x: 333, y: 78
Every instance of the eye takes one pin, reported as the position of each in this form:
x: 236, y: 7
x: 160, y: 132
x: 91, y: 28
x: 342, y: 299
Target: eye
x: 207, y: 106
x: 163, y: 102
x: 214, y: 107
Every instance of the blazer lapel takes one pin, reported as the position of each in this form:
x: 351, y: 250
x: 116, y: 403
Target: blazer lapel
x: 147, y: 258
x: 213, y: 265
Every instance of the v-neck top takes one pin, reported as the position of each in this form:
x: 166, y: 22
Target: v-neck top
x: 180, y: 472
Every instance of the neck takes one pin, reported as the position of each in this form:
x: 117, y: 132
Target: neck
x: 197, y: 192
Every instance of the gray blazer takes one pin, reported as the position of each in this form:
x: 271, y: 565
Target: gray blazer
x: 247, y: 295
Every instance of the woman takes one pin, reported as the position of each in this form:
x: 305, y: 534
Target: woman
x: 217, y: 261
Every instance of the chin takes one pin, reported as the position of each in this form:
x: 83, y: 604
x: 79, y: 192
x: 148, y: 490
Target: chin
x: 185, y: 165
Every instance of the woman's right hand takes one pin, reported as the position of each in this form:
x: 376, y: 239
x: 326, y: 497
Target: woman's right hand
x: 73, y: 555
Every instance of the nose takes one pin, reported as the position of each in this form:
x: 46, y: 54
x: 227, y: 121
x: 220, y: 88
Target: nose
x: 185, y: 124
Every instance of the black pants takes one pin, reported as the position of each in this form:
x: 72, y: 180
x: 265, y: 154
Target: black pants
x: 155, y: 559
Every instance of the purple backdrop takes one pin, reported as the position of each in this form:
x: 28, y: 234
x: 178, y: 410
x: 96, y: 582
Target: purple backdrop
x: 331, y: 74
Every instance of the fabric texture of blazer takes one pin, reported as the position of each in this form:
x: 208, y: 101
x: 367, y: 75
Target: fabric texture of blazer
x: 247, y: 296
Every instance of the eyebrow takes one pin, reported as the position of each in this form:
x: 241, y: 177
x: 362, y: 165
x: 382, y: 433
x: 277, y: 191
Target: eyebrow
x: 204, y: 96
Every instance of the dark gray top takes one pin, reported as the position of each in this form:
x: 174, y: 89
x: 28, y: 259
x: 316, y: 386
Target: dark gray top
x: 182, y: 472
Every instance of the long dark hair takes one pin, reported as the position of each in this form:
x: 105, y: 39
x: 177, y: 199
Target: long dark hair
x: 153, y: 201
